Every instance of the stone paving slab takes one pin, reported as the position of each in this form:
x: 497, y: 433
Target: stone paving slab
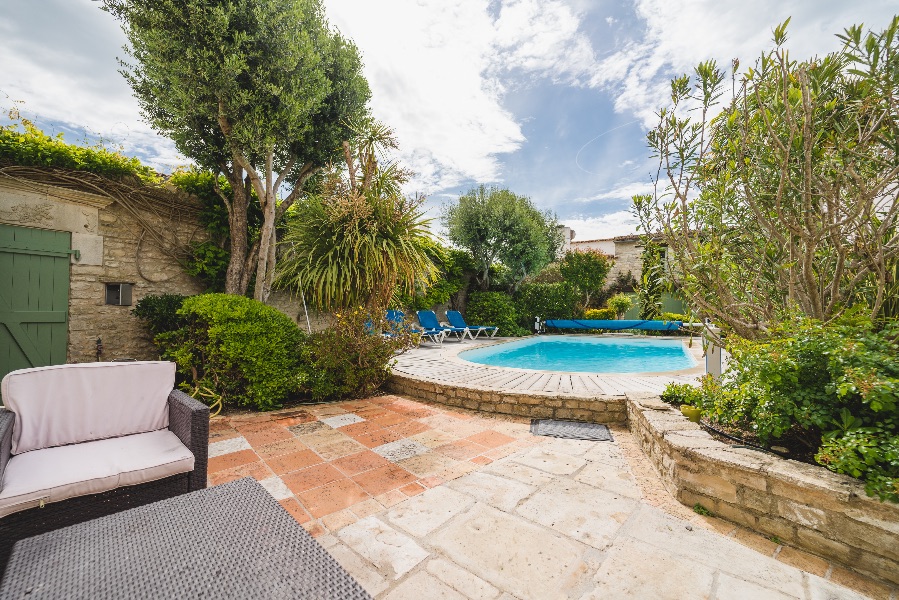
x: 525, y: 517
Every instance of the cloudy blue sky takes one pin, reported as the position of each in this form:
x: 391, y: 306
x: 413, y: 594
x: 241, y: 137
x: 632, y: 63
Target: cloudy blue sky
x: 551, y: 98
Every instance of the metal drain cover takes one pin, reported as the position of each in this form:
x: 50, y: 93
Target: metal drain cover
x: 571, y: 430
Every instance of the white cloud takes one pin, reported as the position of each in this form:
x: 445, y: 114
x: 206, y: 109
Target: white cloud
x: 606, y: 226
x: 622, y: 192
x: 679, y: 35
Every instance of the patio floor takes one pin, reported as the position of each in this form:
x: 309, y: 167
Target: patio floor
x: 417, y: 501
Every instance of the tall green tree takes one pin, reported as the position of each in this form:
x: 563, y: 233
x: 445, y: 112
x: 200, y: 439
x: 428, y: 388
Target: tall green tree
x: 359, y: 240
x: 788, y: 199
x: 495, y: 224
x: 259, y: 91
x: 586, y: 270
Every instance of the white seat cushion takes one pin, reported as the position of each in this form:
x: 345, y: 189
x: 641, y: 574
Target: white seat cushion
x: 62, y: 472
x: 69, y: 404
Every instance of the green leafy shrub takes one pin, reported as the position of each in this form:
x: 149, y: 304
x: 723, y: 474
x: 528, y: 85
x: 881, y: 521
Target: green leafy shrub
x: 547, y: 301
x: 243, y: 350
x: 681, y: 393
x: 350, y: 359
x: 551, y: 273
x: 620, y: 303
x: 22, y: 143
x: 209, y: 263
x: 159, y: 312
x: 668, y: 316
x: 496, y: 309
x: 833, y: 388
x: 600, y: 314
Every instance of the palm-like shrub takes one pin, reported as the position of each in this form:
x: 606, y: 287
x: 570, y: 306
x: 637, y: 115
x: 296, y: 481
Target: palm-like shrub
x: 360, y: 239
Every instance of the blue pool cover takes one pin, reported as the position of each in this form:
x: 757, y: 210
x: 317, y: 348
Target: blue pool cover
x: 614, y: 325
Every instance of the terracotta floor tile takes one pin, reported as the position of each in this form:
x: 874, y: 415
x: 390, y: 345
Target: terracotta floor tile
x: 360, y: 462
x: 431, y: 482
x: 307, y: 428
x: 427, y: 464
x: 280, y: 447
x: 412, y: 489
x: 379, y: 481
x: 257, y: 470
x: 231, y: 460
x: 297, y: 420
x: 390, y: 418
x: 433, y: 438
x: 324, y: 437
x: 461, y: 450
x: 327, y: 410
x: 339, y: 520
x: 261, y: 437
x: 332, y: 497
x: 314, y: 528
x: 416, y: 412
x: 378, y: 438
x: 391, y: 498
x: 339, y: 449
x: 253, y: 426
x: 249, y: 418
x: 372, y: 413
x: 366, y: 508
x: 222, y: 434
x: 285, y: 463
x: 354, y: 406
x: 481, y: 460
x: 311, y: 477
x: 362, y: 428
x: 296, y: 510
x: 409, y: 428
x: 491, y: 439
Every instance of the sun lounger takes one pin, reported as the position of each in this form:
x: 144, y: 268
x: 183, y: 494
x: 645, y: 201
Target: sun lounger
x: 456, y: 320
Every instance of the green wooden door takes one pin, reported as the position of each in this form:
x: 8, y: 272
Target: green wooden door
x: 34, y: 297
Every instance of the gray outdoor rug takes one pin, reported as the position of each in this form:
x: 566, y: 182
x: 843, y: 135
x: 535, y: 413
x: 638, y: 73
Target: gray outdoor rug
x: 571, y: 430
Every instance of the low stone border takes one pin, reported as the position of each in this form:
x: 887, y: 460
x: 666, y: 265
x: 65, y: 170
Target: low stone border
x: 541, y: 405
x: 802, y: 505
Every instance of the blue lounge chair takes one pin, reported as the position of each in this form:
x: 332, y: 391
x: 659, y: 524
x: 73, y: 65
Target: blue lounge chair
x: 428, y: 320
x: 456, y: 320
x: 397, y: 320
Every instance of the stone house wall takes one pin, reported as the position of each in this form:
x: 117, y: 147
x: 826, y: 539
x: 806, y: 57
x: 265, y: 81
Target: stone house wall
x: 626, y: 251
x: 112, y: 250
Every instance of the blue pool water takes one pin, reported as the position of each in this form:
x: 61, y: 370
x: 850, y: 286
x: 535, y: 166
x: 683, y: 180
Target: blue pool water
x: 584, y: 354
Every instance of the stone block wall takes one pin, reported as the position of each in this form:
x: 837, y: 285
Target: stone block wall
x: 601, y: 409
x: 803, y: 505
x: 126, y: 259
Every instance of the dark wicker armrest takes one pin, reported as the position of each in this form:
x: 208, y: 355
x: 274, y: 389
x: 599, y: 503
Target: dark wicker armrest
x: 189, y: 420
x: 7, y: 419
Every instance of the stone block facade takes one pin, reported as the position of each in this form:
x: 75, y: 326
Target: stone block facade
x: 599, y: 409
x: 803, y: 505
x: 626, y: 250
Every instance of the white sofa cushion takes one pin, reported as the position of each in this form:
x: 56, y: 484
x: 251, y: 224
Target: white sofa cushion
x: 69, y: 404
x: 62, y: 472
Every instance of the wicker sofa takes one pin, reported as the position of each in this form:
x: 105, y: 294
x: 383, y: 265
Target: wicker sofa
x: 79, y: 442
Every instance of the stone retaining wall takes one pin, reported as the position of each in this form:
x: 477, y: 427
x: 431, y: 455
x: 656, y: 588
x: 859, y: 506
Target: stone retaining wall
x: 600, y: 409
x: 803, y: 505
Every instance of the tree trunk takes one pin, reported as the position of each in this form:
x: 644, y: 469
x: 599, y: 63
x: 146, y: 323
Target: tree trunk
x: 235, y: 281
x: 266, y: 262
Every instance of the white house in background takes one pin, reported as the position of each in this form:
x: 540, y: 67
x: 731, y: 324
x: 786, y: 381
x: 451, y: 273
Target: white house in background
x: 567, y: 237
x: 625, y: 249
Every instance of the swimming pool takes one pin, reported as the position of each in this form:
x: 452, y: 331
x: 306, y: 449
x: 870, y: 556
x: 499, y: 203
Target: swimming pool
x: 586, y: 354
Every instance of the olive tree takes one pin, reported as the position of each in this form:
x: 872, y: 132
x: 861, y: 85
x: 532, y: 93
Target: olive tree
x: 786, y: 199
x: 257, y: 90
x: 495, y: 224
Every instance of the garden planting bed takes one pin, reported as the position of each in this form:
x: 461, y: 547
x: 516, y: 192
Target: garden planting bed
x: 802, y: 505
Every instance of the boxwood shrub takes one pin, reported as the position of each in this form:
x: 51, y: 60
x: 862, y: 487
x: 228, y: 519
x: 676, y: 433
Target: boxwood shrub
x: 245, y: 351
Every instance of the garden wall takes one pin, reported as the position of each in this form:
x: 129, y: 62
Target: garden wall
x: 803, y: 505
x: 602, y: 409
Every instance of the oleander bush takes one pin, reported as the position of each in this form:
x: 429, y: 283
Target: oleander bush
x: 828, y: 390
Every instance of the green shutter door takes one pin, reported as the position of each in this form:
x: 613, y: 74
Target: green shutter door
x: 34, y: 297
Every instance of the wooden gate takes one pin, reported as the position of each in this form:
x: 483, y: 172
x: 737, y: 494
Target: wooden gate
x: 34, y: 297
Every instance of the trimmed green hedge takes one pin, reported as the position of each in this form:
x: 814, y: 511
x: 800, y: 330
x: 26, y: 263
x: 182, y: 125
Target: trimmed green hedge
x: 548, y: 301
x: 496, y: 309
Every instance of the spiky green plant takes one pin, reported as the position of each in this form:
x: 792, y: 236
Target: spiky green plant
x: 360, y: 239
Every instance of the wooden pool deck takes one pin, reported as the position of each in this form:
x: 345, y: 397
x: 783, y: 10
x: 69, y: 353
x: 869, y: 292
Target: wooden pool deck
x: 441, y: 364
